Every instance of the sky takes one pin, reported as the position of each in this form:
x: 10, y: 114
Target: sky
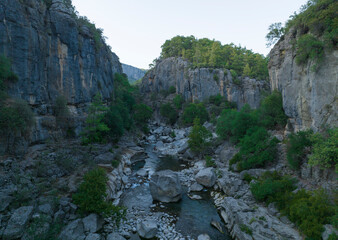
x: 136, y: 29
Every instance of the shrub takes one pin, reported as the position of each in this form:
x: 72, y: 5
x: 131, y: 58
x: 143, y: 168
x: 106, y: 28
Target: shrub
x: 178, y: 101
x: 95, y: 129
x: 271, y: 111
x: 15, y: 117
x: 256, y: 149
x: 233, y: 124
x: 195, y: 110
x: 216, y: 99
x: 6, y: 74
x: 270, y: 186
x: 91, y: 195
x: 172, y: 90
x: 325, y: 149
x: 168, y: 112
x: 296, y: 146
x: 308, y: 47
x: 199, y: 137
x: 216, y: 78
x: 246, y: 229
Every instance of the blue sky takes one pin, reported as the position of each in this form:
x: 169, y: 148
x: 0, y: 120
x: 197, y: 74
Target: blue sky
x: 136, y: 29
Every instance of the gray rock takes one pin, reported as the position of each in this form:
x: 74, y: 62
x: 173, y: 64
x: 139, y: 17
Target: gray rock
x: 115, y: 236
x: 133, y: 73
x: 70, y: 64
x: 142, y: 172
x: 147, y: 229
x: 59, y: 215
x: 329, y: 229
x: 165, y: 186
x: 74, y: 230
x: 5, y: 201
x: 206, y: 177
x: 18, y: 222
x: 183, y: 148
x: 309, y: 97
x: 203, y: 237
x: 199, y: 83
x: 46, y: 209
x: 195, y: 187
x: 139, y: 198
x: 189, y: 154
x: 92, y: 223
x: 194, y: 197
x: 105, y: 158
x: 93, y: 236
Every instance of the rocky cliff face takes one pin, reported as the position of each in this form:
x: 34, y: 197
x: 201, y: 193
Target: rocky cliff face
x: 133, y: 73
x: 309, y: 97
x: 201, y: 83
x: 53, y: 55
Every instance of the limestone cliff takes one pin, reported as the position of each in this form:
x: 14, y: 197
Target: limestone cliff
x: 309, y: 97
x: 200, y: 83
x: 133, y: 73
x: 52, y: 55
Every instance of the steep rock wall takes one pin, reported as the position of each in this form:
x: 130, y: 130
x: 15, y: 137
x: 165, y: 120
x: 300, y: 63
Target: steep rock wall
x: 53, y: 55
x: 201, y: 83
x: 133, y: 73
x: 309, y: 97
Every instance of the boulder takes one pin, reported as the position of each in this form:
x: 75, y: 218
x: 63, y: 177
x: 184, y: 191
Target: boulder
x: 17, y: 222
x: 92, y: 223
x: 93, y: 236
x: 46, y: 209
x: 139, y: 198
x: 147, y: 229
x: 189, y: 154
x: 206, y: 177
x: 115, y: 236
x: 165, y: 186
x: 203, y: 237
x: 195, y: 187
x: 328, y: 230
x: 105, y: 158
x: 74, y: 230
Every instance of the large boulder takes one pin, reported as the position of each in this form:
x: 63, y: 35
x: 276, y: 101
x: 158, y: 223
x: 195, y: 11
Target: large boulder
x: 18, y: 222
x: 137, y: 198
x: 115, y: 236
x: 92, y: 223
x: 206, y: 177
x: 147, y: 229
x: 73, y: 230
x: 165, y: 186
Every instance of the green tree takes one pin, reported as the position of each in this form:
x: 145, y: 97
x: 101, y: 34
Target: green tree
x: 142, y: 113
x: 92, y: 193
x: 195, y: 110
x: 178, y: 101
x: 247, y: 70
x: 276, y: 31
x: 199, y: 137
x: 95, y: 129
x: 167, y: 111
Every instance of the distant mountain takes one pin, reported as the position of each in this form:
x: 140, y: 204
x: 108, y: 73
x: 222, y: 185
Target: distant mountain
x: 133, y: 73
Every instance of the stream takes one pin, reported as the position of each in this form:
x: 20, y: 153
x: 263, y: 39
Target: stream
x: 193, y: 216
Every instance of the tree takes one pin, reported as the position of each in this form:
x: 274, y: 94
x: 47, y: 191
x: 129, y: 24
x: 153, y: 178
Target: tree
x: 195, y: 110
x: 247, y: 70
x: 199, y: 137
x: 167, y: 111
x: 95, y: 129
x: 276, y: 31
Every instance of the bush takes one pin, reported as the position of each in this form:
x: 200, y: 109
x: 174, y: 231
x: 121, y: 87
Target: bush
x: 256, y: 149
x: 216, y: 99
x: 270, y: 186
x: 296, y: 148
x: 91, y: 195
x: 199, y: 137
x: 209, y: 162
x: 168, y: 112
x: 233, y: 124
x: 271, y: 111
x: 308, y: 47
x: 172, y: 90
x: 6, y: 74
x: 325, y: 149
x: 178, y: 101
x: 308, y: 210
x: 195, y: 110
x: 15, y: 117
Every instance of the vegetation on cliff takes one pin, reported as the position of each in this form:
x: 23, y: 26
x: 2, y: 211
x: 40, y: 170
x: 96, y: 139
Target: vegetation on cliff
x: 212, y: 54
x: 316, y: 27
x: 16, y: 116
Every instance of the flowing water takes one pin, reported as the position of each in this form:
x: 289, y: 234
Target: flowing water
x: 194, y: 216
